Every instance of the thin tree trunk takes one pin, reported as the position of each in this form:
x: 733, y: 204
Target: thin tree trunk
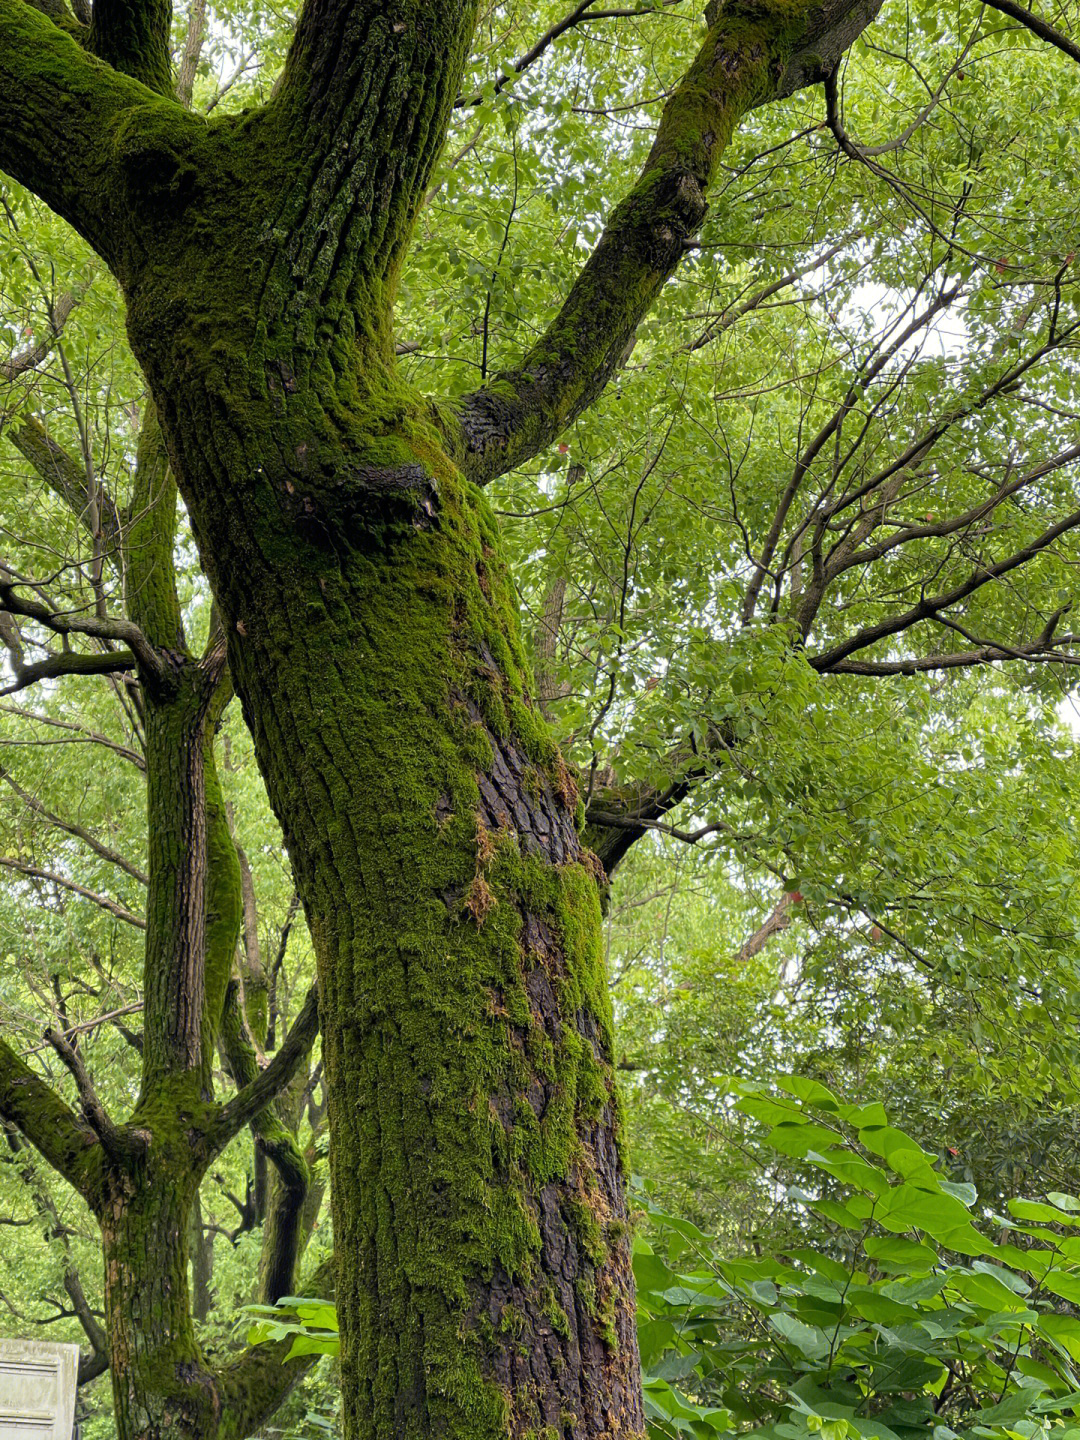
x: 161, y: 1387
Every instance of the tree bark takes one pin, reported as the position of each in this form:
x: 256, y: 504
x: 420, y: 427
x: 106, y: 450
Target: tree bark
x: 161, y: 1386
x: 484, y: 1279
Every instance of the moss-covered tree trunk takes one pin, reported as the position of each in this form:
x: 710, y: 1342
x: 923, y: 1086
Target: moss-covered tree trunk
x: 484, y: 1280
x: 478, y: 1201
x: 161, y: 1386
x: 484, y: 1275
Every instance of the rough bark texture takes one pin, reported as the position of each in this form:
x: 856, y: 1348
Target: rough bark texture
x: 141, y: 1177
x: 484, y: 1282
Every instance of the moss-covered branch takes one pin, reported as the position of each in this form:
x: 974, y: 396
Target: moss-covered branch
x: 133, y: 37
x: 342, y: 237
x: 123, y: 632
x: 59, y: 120
x: 39, y: 1114
x: 753, y: 53
x: 267, y: 1084
x: 150, y: 573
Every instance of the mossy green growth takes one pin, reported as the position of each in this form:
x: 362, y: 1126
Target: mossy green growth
x: 434, y: 1041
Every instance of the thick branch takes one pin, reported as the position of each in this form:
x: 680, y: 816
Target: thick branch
x: 751, y: 55
x: 133, y: 37
x: 38, y: 1113
x: 70, y: 662
x: 274, y: 1140
x: 269, y: 1083
x: 1037, y: 27
x: 58, y: 123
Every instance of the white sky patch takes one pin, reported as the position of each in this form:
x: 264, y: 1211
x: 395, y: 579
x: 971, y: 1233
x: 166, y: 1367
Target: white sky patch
x: 947, y: 335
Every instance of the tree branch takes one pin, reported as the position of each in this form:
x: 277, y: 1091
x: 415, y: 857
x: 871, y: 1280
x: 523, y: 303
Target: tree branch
x: 34, y: 354
x: 38, y: 1113
x: 1037, y: 27
x: 735, y: 313
x: 189, y: 60
x: 119, y: 1145
x: 618, y: 816
x: 256, y: 1096
x: 65, y: 476
x: 58, y: 125
x: 282, y: 1226
x: 110, y: 662
x: 258, y: 1382
x: 930, y: 607
x: 751, y: 55
x: 69, y: 828
x: 36, y: 873
x: 80, y: 734
x: 578, y: 16
x: 97, y: 1362
x: 123, y: 631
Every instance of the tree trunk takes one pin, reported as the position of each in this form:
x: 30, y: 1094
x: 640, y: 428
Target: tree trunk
x: 160, y: 1386
x: 484, y: 1279
x: 202, y: 1265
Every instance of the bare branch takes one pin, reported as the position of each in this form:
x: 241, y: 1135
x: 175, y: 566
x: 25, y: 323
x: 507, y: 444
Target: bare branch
x: 69, y: 828
x: 929, y: 608
x: 30, y: 358
x: 36, y: 873
x: 1037, y: 27
x: 118, y: 1144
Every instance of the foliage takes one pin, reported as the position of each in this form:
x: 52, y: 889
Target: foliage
x: 895, y: 1315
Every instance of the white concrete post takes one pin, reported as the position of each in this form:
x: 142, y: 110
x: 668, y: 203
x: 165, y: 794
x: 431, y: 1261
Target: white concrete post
x: 37, y: 1390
